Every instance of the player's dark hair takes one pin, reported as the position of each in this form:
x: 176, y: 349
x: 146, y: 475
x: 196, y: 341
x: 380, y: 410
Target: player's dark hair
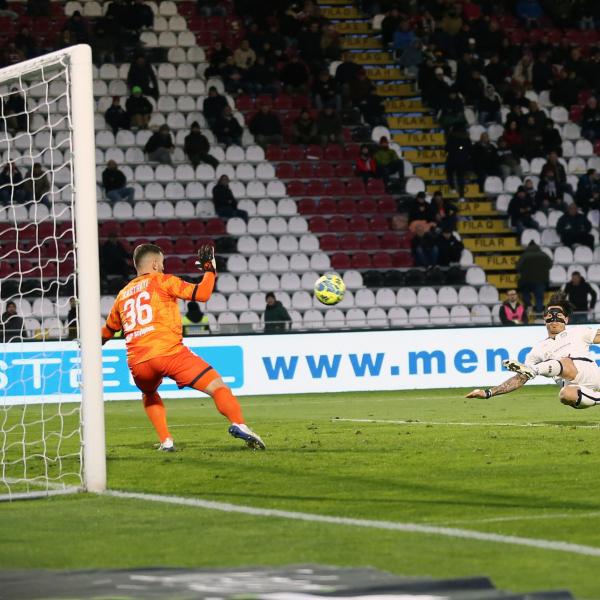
x: 143, y: 250
x: 560, y: 299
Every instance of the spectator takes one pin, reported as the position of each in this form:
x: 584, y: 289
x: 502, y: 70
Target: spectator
x: 560, y: 173
x: 548, y: 193
x: 588, y: 191
x: 244, y: 57
x: 512, y: 312
x: 532, y: 138
x: 389, y: 26
x: 115, y: 184
x: 523, y: 72
x: 329, y: 127
x: 365, y: 166
x: 197, y: 148
x: 217, y: 58
x: 12, y: 190
x: 512, y: 137
x: 138, y: 108
x: 213, y: 106
x: 116, y: 117
x: 485, y: 159
x: 520, y: 211
x: 325, y: 91
x: 411, y: 58
x: 449, y: 248
x: 388, y: 162
x: 421, y: 210
x: 295, y: 77
x: 261, y: 78
x: 227, y: 129
x: 489, y: 106
x: 582, y: 296
x: 458, y: 159
x: 530, y: 12
x: 266, y: 127
x: 234, y: 78
x: 13, y: 329
x: 590, y: 120
x: 277, y: 318
x: 574, y: 228
x: 141, y: 74
x: 114, y: 258
x: 138, y: 16
x: 346, y: 72
x: 331, y: 46
x: 194, y: 321
x: 309, y: 45
x: 445, y: 213
x: 452, y: 111
x: 551, y: 140
x: 541, y: 73
x: 210, y: 8
x: 424, y: 246
x: 404, y: 37
x: 26, y: 42
x: 304, y: 129
x: 38, y: 8
x: 225, y: 202
x: 37, y: 185
x: 160, y: 147
x: 77, y: 26
x: 533, y: 268
x: 14, y: 110
x: 72, y: 319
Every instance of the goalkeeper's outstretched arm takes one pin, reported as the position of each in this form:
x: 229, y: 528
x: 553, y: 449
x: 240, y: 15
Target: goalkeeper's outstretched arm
x: 510, y: 385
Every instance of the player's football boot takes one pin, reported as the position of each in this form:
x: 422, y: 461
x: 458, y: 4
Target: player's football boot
x: 243, y: 432
x: 520, y: 368
x: 167, y: 445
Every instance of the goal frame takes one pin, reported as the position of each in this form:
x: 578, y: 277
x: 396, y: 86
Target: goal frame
x: 81, y: 113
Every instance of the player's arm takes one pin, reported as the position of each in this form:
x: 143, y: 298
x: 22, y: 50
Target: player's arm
x: 197, y: 292
x: 510, y: 385
x: 113, y: 324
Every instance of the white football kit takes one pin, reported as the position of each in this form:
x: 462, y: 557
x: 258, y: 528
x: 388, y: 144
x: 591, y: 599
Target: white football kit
x: 575, y: 344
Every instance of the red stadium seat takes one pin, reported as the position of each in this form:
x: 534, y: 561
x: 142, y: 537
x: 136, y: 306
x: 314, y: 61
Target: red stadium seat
x: 575, y: 113
x: 305, y: 170
x: 296, y: 188
x: 314, y: 152
x: 175, y: 265
x: 333, y: 152
x: 295, y: 153
x: 336, y: 187
x: 391, y: 241
x: 340, y: 261
x: 282, y: 102
x: 355, y: 187
x: 329, y: 243
x: 381, y: 260
x: 244, y: 103
x: 174, y: 227
x: 194, y: 228
x: 307, y: 206
x: 351, y: 151
x: 367, y: 206
x: 166, y: 244
x: 402, y: 259
x: 153, y: 228
x: 131, y: 228
x: 347, y: 206
x: 344, y: 169
x: 185, y: 246
x: 285, y: 171
x: 379, y: 223
x: 327, y: 206
x: 300, y: 102
x: 361, y: 260
x: 215, y: 227
x: 387, y: 205
x: 318, y: 225
x: 274, y: 153
x: 349, y: 241
x: 369, y: 241
x: 338, y: 224
x: 597, y: 147
x: 324, y: 170
x: 375, y: 186
x: 109, y: 227
x: 358, y: 223
x: 315, y: 188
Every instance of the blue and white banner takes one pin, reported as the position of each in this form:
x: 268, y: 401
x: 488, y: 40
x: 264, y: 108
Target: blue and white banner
x: 288, y: 364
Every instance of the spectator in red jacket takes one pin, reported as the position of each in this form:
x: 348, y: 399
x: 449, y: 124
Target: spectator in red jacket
x: 366, y: 167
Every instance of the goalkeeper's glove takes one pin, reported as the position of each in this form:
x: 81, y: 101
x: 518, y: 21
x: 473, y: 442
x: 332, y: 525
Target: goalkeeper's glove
x: 206, y: 259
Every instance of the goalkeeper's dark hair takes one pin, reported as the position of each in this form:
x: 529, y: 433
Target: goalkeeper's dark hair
x: 560, y: 299
x: 143, y: 250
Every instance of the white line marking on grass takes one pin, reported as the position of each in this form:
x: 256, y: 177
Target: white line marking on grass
x: 465, y: 424
x: 551, y: 516
x: 367, y: 523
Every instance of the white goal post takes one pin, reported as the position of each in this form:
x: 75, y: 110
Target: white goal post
x: 56, y: 131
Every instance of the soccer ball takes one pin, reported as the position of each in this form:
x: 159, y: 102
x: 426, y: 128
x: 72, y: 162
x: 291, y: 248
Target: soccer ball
x: 330, y: 288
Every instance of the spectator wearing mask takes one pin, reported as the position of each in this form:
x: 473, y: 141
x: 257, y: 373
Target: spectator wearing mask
x: 365, y: 166
x: 388, y: 162
x: 225, y: 202
x: 449, y: 247
x: 582, y: 296
x: 533, y: 268
x: 197, y: 148
x: 304, y: 129
x: 266, y: 127
x: 574, y: 228
x: 227, y: 129
x: 277, y: 318
x: 115, y: 184
x: 512, y: 312
x: 141, y: 74
x: 213, y: 106
x: 520, y: 211
x: 116, y: 117
x: 160, y: 146
x: 138, y: 108
x: 13, y: 329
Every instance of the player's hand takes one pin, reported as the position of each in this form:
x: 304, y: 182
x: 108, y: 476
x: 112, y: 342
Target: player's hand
x: 476, y: 394
x: 206, y: 259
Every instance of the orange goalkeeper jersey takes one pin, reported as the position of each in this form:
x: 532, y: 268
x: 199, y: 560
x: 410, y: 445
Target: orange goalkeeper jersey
x: 146, y: 310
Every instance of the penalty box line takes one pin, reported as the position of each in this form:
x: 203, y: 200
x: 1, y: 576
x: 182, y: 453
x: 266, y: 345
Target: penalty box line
x: 463, y: 424
x: 450, y: 532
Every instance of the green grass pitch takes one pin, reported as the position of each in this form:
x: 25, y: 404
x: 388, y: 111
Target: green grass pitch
x: 461, y: 463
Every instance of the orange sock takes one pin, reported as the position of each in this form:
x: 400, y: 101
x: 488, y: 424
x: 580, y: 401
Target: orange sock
x: 157, y: 413
x: 228, y: 405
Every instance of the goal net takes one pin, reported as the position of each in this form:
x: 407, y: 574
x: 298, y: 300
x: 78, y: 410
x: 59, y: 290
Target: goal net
x: 51, y: 417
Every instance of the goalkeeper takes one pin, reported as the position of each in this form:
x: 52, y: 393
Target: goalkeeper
x: 147, y: 312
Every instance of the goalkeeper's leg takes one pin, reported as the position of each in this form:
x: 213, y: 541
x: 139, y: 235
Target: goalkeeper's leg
x: 157, y: 413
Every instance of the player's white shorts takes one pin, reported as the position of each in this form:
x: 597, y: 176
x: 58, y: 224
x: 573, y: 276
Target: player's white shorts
x: 588, y: 373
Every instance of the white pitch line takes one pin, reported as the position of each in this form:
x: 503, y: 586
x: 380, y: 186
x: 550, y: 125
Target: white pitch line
x: 465, y: 424
x: 367, y: 523
x: 550, y: 517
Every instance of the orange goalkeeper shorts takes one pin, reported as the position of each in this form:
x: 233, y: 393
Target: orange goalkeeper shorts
x: 185, y: 368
